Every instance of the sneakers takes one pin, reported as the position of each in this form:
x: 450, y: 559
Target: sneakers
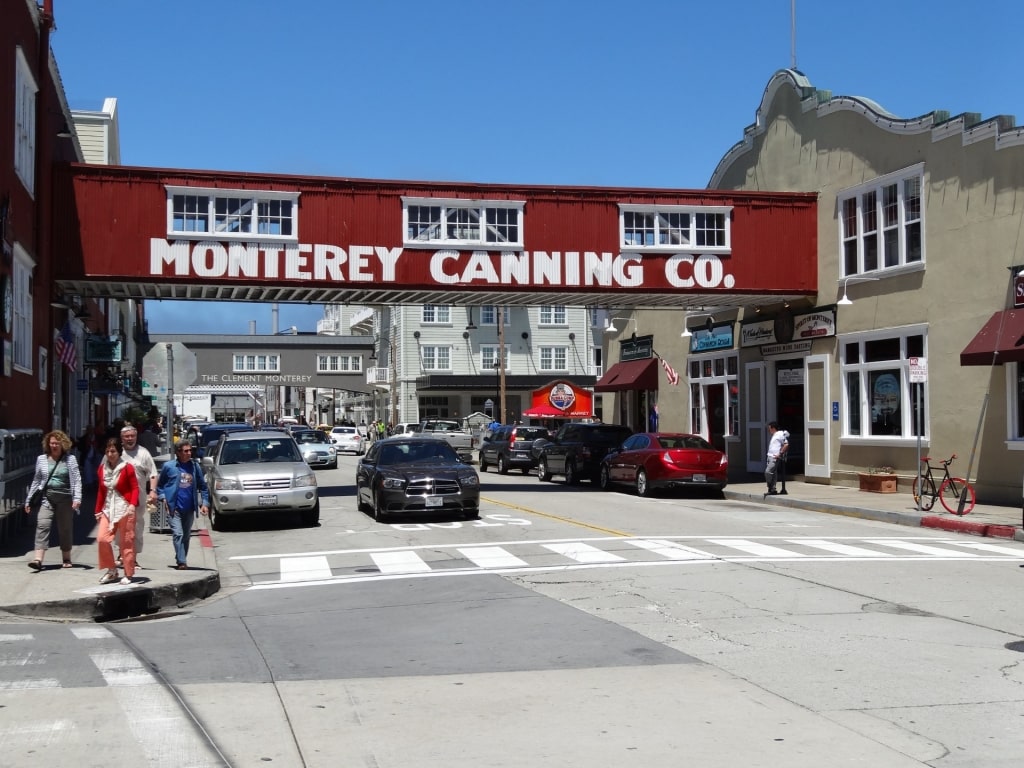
x: 109, y: 577
x: 125, y: 581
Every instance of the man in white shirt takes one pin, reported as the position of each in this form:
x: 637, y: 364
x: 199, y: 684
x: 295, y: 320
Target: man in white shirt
x: 778, y: 444
x: 145, y: 471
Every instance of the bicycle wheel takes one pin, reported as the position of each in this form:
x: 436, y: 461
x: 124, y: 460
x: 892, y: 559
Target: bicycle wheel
x: 950, y: 492
x: 927, y: 501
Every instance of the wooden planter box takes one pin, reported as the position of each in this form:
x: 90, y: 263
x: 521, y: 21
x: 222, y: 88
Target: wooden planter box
x: 877, y: 483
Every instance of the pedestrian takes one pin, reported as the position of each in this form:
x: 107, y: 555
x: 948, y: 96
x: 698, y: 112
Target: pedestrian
x: 116, y: 503
x: 58, y: 478
x: 182, y: 488
x: 149, y: 439
x: 778, y: 445
x: 145, y: 472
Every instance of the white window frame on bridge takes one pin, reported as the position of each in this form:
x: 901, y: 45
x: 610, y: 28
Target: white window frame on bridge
x: 339, y: 364
x: 674, y: 228
x: 481, y: 228
x: 248, y: 213
x: 261, y: 363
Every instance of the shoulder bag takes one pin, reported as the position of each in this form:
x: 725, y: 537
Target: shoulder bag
x: 35, y: 501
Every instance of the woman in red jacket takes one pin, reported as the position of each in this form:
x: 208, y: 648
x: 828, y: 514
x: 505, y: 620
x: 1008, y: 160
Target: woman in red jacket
x: 116, y: 500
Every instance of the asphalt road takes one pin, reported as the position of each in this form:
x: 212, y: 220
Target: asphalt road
x: 566, y: 627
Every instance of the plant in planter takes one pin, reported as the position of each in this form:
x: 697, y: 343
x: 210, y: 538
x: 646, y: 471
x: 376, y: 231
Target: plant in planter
x: 880, y: 479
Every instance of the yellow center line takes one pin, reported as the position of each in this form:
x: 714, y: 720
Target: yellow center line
x: 569, y: 520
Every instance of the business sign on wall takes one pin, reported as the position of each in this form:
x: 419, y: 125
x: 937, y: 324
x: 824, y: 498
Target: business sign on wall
x: 1018, y: 287
x: 707, y: 340
x: 786, y: 328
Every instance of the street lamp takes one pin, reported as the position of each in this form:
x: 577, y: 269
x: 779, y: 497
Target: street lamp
x: 497, y: 395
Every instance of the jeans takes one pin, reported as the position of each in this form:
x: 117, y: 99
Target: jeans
x: 181, y: 531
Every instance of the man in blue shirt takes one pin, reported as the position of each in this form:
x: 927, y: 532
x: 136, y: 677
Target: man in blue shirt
x: 182, y: 487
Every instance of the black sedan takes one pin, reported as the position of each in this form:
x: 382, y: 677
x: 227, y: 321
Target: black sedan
x: 416, y: 475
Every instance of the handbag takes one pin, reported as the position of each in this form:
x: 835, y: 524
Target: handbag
x: 35, y: 501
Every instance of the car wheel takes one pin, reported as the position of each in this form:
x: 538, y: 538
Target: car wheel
x: 311, y: 517
x: 571, y: 478
x: 605, y: 481
x: 378, y: 508
x: 642, y: 489
x: 483, y: 463
x: 217, y: 519
x: 542, y: 471
x: 502, y: 466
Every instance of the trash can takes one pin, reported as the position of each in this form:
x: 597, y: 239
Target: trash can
x: 158, y: 518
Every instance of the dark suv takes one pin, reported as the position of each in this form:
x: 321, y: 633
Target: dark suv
x: 577, y: 449
x: 508, y: 447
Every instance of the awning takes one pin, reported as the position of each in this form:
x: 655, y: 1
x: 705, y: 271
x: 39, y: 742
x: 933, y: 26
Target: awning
x: 636, y: 374
x: 1000, y: 340
x: 545, y: 411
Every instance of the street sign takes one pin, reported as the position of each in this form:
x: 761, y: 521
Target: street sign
x: 918, y: 370
x: 155, y: 372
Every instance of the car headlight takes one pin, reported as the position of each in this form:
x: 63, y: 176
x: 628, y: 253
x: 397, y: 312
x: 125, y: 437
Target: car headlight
x: 394, y: 482
x: 226, y: 484
x: 469, y: 481
x: 304, y: 481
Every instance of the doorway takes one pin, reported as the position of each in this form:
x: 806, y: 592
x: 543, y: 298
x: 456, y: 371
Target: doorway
x: 716, y: 416
x: 791, y: 415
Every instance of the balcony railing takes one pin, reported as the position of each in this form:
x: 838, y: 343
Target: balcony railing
x: 380, y: 377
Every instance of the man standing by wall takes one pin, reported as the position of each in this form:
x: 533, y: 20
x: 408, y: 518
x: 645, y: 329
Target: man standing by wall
x: 145, y: 471
x: 778, y: 444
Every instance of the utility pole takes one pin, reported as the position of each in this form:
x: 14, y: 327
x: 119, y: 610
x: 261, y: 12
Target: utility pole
x: 501, y: 363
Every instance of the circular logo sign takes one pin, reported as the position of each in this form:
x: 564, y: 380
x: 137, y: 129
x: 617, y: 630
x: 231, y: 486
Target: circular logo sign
x: 562, y: 396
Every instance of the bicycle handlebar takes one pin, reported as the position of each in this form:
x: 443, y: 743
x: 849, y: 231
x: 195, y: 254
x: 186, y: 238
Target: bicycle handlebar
x: 945, y: 463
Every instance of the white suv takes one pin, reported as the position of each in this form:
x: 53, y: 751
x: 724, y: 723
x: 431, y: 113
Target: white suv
x: 348, y: 439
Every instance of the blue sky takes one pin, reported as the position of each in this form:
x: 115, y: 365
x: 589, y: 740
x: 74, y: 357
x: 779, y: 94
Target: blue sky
x: 566, y: 92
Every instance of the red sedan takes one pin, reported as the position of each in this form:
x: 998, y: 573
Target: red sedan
x: 651, y: 460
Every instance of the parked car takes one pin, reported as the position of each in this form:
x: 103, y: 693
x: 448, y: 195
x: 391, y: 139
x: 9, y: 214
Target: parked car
x: 511, y: 446
x: 348, y: 439
x: 405, y: 429
x: 316, y: 447
x: 648, y: 461
x: 416, y: 475
x: 212, y: 433
x: 259, y: 473
x: 577, y: 449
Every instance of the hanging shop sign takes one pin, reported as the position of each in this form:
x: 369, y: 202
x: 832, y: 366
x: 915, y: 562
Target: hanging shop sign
x: 636, y: 348
x: 708, y: 339
x: 786, y: 328
x: 102, y: 349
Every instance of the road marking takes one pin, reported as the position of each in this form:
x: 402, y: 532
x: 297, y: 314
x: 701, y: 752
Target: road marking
x: 753, y: 548
x: 91, y: 633
x: 924, y: 549
x: 399, y: 562
x: 839, y: 549
x: 14, y: 638
x: 990, y: 548
x: 305, y: 568
x: 670, y: 549
x: 491, y: 557
x: 583, y: 553
x: 28, y: 685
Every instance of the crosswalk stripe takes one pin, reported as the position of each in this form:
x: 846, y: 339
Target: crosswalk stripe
x: 839, y: 549
x: 399, y: 562
x: 753, y: 548
x: 923, y: 549
x: 583, y: 553
x: 491, y: 557
x: 305, y: 568
x: 671, y: 550
x: 990, y: 548
x: 27, y: 685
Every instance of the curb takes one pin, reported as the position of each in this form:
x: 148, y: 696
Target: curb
x: 964, y: 526
x: 122, y: 603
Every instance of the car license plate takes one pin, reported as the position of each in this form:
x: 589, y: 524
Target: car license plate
x: 433, y: 501
x: 267, y: 501
x: 700, y: 478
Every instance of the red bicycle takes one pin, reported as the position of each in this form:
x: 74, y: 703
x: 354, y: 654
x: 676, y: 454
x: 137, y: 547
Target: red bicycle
x: 949, y: 491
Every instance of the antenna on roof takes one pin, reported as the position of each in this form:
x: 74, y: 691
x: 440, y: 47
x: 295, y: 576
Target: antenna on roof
x: 792, y: 34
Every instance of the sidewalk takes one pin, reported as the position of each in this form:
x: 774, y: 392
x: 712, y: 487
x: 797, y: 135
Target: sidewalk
x: 75, y: 594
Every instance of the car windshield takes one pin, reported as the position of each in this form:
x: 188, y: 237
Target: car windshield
x: 312, y: 436
x: 684, y: 441
x: 407, y: 453
x: 259, y: 451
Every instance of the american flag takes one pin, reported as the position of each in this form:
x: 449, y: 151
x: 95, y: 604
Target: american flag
x: 670, y: 373
x: 64, y: 346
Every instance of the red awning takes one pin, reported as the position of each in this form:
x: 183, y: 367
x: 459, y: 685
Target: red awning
x: 636, y: 374
x: 1000, y: 340
x: 545, y: 411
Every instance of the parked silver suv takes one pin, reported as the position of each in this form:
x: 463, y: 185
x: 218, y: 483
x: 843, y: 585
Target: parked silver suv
x: 259, y: 473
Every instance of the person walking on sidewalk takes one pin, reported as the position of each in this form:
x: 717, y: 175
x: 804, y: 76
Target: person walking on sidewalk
x: 58, y: 476
x: 182, y: 487
x: 117, y: 499
x: 145, y: 472
x: 778, y: 444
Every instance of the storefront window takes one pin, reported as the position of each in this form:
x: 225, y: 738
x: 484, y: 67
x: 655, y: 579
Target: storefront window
x: 879, y: 399
x: 715, y: 397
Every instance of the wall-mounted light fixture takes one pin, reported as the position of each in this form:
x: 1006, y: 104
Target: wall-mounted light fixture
x: 465, y: 334
x: 709, y: 326
x: 609, y: 326
x: 572, y: 337
x: 472, y: 325
x: 415, y: 334
x: 846, y: 300
x: 525, y: 335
